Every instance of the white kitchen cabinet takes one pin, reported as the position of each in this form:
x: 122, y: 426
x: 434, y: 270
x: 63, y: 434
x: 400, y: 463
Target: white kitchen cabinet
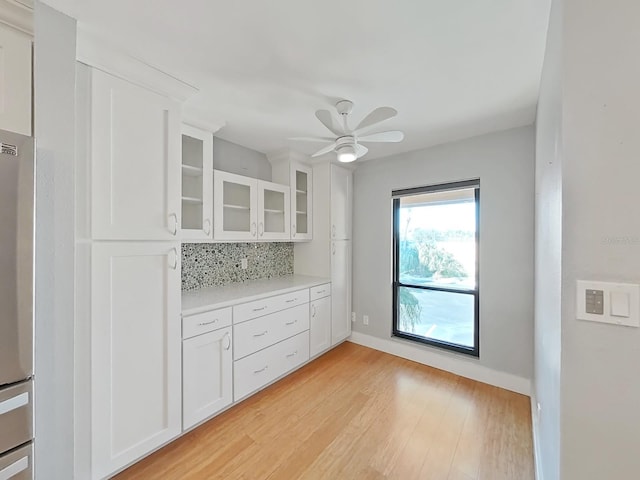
x: 299, y: 177
x: 197, y: 184
x: 341, y: 201
x: 255, y: 371
x: 320, y: 322
x: 235, y: 203
x: 135, y: 161
x: 135, y: 351
x: 207, y: 375
x: 15, y: 85
x: 249, y: 209
x: 340, y: 290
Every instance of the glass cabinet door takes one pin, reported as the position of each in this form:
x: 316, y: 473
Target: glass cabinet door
x: 301, y: 202
x: 273, y: 211
x: 197, y: 171
x: 235, y: 207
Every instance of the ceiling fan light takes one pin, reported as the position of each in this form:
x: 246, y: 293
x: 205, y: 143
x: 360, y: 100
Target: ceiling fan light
x: 346, y: 153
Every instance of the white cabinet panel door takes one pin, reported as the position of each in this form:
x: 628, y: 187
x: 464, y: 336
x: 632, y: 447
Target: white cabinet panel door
x: 135, y: 161
x: 15, y: 80
x: 207, y: 375
x: 341, y: 186
x: 320, y: 326
x: 340, y: 290
x: 135, y: 343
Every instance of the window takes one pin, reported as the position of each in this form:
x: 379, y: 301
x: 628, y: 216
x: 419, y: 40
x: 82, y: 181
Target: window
x: 435, y: 265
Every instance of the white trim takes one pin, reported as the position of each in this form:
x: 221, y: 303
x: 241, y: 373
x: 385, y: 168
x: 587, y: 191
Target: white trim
x: 461, y: 367
x: 535, y: 419
x: 201, y: 119
x: 99, y: 54
x: 17, y: 14
x: 287, y: 154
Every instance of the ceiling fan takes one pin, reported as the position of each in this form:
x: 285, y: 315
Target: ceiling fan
x: 347, y: 144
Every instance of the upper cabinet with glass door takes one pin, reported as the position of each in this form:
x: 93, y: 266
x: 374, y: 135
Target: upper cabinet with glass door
x: 287, y: 169
x: 197, y: 184
x: 248, y: 209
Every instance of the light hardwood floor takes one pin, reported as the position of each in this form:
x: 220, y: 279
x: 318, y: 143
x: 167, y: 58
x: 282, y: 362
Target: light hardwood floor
x: 356, y: 413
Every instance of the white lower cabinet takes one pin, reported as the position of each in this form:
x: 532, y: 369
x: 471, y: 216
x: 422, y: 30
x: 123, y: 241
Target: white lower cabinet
x: 340, y: 290
x: 207, y: 367
x: 319, y: 325
x: 135, y: 351
x: 255, y: 371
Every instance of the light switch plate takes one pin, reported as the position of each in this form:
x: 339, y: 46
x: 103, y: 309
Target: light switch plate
x: 614, y: 295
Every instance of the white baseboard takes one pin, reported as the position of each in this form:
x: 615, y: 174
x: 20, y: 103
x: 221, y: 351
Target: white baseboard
x: 536, y: 438
x: 449, y: 363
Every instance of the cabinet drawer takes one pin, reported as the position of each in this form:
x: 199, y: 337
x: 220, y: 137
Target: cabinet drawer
x: 255, y: 371
x: 259, y: 333
x: 259, y: 308
x: 205, y: 322
x: 319, y: 291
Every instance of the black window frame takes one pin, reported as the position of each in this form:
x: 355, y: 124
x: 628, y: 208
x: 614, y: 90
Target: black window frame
x: 396, y: 195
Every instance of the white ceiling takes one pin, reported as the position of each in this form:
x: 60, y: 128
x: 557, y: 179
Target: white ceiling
x: 452, y: 68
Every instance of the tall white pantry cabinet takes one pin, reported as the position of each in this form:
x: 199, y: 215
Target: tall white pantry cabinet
x: 329, y: 253
x: 131, y: 252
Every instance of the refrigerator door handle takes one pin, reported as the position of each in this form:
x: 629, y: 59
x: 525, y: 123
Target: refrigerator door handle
x: 13, y: 403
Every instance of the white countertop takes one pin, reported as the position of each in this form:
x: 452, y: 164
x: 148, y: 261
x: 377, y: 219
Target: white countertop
x: 197, y: 301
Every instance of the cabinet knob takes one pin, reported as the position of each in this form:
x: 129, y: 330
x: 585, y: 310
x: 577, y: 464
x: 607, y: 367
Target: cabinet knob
x: 228, y: 337
x: 253, y: 229
x: 261, y: 229
x: 207, y: 226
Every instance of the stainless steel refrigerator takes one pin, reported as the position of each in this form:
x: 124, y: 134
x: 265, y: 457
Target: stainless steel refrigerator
x: 16, y: 305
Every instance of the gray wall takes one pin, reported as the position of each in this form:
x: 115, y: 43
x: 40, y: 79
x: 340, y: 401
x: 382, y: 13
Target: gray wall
x: 54, y: 76
x: 234, y: 158
x: 504, y: 162
x: 548, y: 256
x: 601, y: 236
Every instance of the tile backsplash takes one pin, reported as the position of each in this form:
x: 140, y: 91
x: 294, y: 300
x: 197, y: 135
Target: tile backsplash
x: 217, y: 264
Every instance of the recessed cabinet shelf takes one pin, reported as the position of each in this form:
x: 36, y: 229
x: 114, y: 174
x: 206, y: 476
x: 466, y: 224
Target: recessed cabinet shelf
x: 237, y: 207
x: 190, y: 171
x: 192, y: 200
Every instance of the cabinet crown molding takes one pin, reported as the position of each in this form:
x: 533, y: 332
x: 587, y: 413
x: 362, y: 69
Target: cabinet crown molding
x: 287, y: 155
x: 17, y: 14
x: 98, y: 53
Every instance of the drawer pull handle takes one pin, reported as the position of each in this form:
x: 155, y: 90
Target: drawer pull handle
x: 202, y: 324
x: 291, y: 323
x: 292, y: 300
x: 261, y: 334
x: 14, y: 402
x: 320, y: 291
x: 292, y: 354
x: 259, y: 309
x: 262, y: 369
x: 15, y: 468
x: 313, y: 307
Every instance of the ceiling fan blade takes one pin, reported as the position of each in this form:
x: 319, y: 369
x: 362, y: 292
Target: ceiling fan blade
x: 380, y: 114
x: 361, y: 150
x: 327, y: 149
x: 328, y: 121
x: 390, y: 136
x: 313, y: 139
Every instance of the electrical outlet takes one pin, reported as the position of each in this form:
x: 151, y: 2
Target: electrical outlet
x: 365, y: 319
x: 353, y: 316
x: 245, y: 263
